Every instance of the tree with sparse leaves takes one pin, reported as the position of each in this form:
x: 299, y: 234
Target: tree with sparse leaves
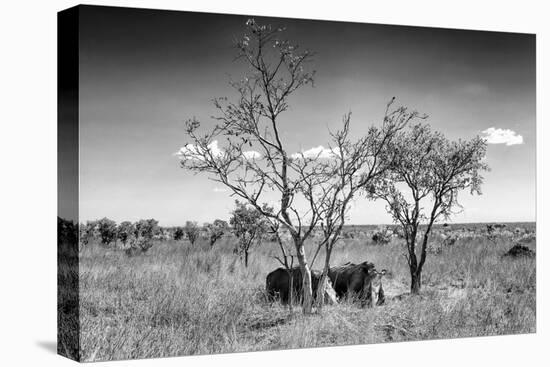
x: 249, y: 226
x: 215, y: 230
x: 255, y: 162
x: 352, y: 166
x: 192, y: 231
x: 427, y: 173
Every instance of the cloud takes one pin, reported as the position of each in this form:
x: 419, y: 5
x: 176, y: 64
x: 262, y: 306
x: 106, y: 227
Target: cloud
x: 317, y: 152
x: 251, y: 154
x: 501, y: 136
x: 191, y: 151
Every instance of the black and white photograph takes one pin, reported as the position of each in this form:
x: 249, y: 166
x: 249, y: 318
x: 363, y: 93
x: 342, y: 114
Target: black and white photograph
x: 251, y: 183
x: 232, y: 182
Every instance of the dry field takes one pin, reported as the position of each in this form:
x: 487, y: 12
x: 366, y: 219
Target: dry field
x: 179, y: 299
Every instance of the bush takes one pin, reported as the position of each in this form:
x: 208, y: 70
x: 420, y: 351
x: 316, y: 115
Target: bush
x: 178, y: 233
x: 125, y: 232
x: 216, y: 230
x: 142, y: 236
x: 107, y: 230
x: 381, y: 236
x: 145, y: 230
x: 520, y: 251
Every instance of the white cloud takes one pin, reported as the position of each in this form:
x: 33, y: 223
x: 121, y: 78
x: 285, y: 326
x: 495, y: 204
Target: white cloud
x: 251, y: 154
x: 501, y: 136
x: 317, y: 152
x: 191, y: 151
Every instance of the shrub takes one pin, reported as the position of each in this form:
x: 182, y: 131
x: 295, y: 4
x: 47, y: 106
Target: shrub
x: 125, y: 231
x: 145, y: 231
x: 178, y: 233
x: 107, y: 230
x: 216, y: 230
x: 142, y: 239
x: 381, y: 236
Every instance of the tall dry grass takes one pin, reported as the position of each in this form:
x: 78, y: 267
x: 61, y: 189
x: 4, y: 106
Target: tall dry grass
x: 179, y: 299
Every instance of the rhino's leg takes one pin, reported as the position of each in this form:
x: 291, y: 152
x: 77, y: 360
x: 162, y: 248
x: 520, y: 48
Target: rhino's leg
x: 366, y: 298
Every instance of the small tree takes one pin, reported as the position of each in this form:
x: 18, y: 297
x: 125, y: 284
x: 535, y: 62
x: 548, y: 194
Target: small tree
x: 192, y: 231
x: 107, y: 229
x: 249, y: 226
x: 216, y: 230
x: 178, y: 233
x: 352, y: 166
x: 427, y: 173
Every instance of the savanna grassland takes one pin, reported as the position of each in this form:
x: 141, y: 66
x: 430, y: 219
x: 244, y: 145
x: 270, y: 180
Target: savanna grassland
x: 180, y: 299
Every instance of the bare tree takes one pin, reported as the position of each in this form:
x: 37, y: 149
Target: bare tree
x: 427, y: 173
x: 254, y: 162
x: 352, y: 166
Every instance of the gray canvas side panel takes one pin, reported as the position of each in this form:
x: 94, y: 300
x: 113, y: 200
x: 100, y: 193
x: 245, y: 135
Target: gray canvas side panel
x: 68, y: 325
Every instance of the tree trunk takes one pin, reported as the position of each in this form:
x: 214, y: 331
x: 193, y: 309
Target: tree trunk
x: 246, y: 259
x: 415, y: 269
x: 416, y: 281
x: 307, y: 306
x: 320, y: 298
x: 291, y: 288
x: 321, y: 287
x: 307, y: 299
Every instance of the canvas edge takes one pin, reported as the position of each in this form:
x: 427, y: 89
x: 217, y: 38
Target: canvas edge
x: 68, y: 299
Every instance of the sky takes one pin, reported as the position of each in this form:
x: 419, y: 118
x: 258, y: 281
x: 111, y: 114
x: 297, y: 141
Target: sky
x: 143, y: 73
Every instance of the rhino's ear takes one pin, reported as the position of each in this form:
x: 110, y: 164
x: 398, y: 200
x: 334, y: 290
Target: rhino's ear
x: 383, y: 272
